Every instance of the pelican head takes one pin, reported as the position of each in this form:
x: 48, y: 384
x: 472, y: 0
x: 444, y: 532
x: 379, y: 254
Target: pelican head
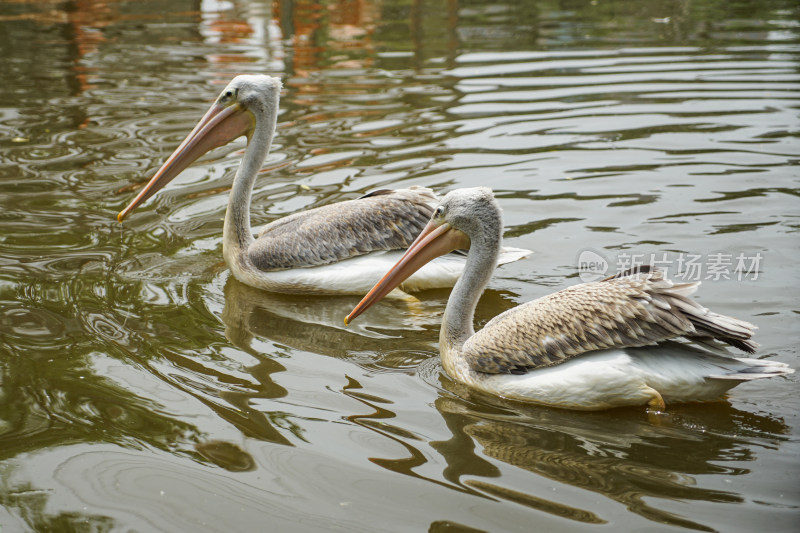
x: 463, y: 218
x: 235, y: 113
x: 472, y: 211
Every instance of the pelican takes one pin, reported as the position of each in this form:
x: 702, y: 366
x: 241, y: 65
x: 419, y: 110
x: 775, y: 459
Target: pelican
x: 581, y: 347
x: 336, y: 249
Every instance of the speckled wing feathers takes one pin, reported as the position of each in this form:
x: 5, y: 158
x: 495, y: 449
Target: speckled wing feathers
x: 383, y: 220
x: 636, y: 309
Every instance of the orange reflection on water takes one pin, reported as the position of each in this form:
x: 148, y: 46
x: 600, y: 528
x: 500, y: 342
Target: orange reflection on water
x: 325, y: 35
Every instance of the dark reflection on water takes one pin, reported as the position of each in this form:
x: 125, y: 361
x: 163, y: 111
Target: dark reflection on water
x: 630, y: 458
x: 143, y: 389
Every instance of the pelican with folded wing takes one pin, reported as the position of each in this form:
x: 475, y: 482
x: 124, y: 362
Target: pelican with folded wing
x: 590, y: 346
x: 337, y: 249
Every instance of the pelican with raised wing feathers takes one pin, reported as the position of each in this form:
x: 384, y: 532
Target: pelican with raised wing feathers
x: 336, y: 249
x: 590, y: 346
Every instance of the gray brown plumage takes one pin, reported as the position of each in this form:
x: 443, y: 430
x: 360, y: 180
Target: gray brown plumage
x: 381, y: 220
x: 635, y: 308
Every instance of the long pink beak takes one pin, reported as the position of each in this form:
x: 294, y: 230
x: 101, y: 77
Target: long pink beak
x: 434, y: 241
x: 219, y: 126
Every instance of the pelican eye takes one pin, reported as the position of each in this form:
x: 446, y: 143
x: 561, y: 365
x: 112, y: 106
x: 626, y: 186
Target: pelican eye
x: 439, y: 212
x: 227, y: 95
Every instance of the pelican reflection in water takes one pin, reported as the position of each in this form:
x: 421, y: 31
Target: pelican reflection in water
x: 337, y: 249
x: 576, y: 348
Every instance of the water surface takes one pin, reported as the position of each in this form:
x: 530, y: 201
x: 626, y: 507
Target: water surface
x: 144, y: 389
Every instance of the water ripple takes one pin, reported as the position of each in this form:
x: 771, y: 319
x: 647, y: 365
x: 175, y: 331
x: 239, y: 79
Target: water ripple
x: 643, y: 127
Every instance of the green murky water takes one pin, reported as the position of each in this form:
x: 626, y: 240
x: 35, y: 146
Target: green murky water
x: 143, y: 389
